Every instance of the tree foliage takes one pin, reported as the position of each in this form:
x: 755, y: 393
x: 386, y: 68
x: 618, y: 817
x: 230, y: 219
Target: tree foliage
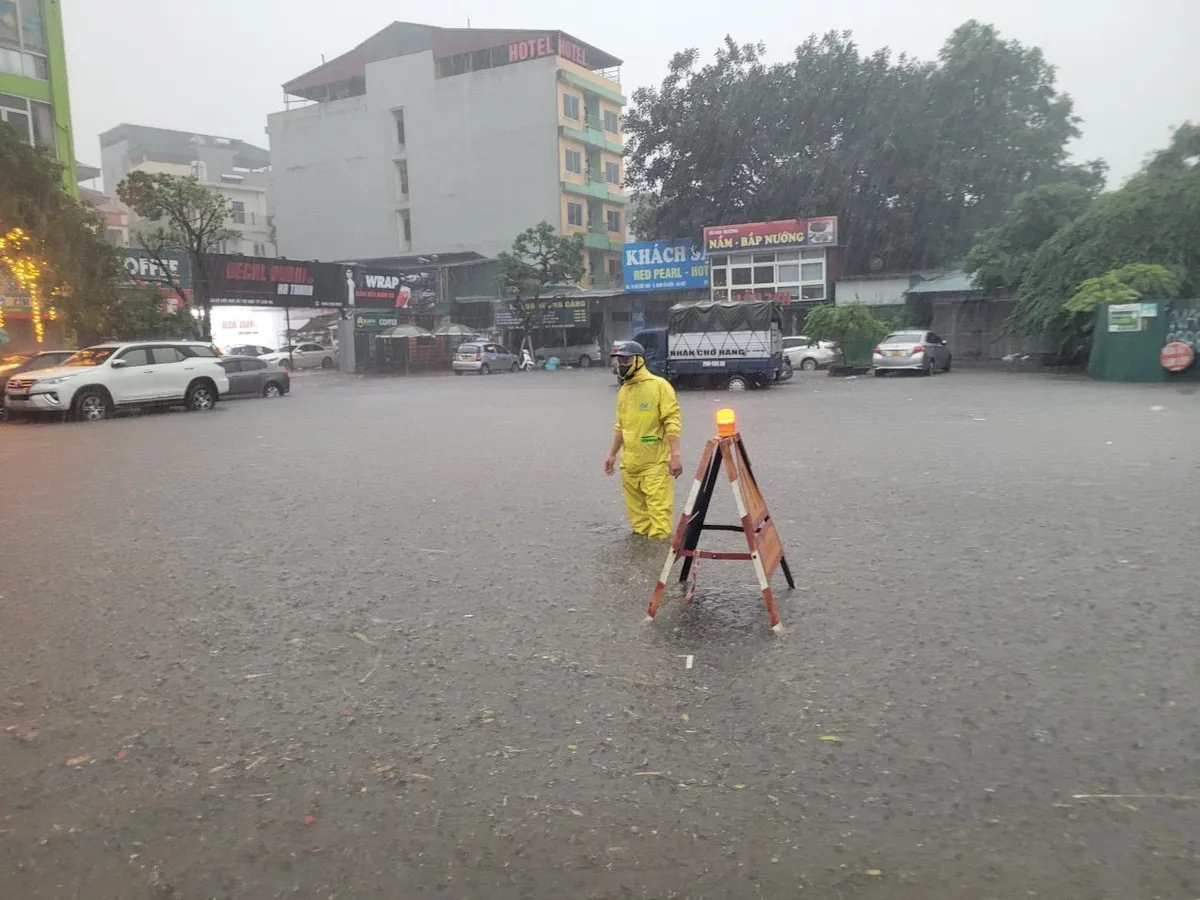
x: 139, y: 316
x: 540, y: 259
x: 915, y: 157
x: 1002, y: 254
x: 79, y: 270
x: 187, y: 216
x: 848, y: 324
x: 1127, y: 284
x: 1153, y: 219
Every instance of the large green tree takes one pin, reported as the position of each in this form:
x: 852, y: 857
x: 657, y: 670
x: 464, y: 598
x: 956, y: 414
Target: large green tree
x: 1154, y: 219
x: 915, y: 157
x: 63, y: 237
x: 540, y: 260
x: 1003, y: 253
x: 185, y: 216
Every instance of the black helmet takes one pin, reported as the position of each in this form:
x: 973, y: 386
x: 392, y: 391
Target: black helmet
x: 627, y: 348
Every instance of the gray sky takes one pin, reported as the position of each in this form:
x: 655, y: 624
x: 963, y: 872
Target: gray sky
x: 216, y: 67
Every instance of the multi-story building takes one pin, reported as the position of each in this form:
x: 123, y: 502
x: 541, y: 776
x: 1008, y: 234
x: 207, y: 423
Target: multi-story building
x: 426, y: 140
x: 240, y: 172
x: 33, y: 79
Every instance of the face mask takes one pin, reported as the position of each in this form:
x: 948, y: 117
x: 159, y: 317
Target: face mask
x: 626, y: 370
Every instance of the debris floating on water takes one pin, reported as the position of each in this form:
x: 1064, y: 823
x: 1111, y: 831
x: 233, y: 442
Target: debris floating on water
x: 831, y: 739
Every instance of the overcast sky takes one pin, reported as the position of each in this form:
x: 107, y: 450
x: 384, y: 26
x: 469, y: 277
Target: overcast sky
x: 216, y: 67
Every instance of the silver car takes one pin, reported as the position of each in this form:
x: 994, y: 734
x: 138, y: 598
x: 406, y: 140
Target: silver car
x: 805, y: 353
x: 913, y: 351
x: 484, y: 358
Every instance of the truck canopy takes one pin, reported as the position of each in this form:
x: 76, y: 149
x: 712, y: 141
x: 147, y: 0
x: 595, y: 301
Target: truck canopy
x: 700, y: 317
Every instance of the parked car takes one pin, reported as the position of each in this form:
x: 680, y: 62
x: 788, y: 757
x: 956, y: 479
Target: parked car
x: 805, y: 353
x: 582, y: 355
x: 20, y: 363
x: 93, y: 383
x: 249, y: 377
x: 915, y: 351
x: 483, y: 357
x: 249, y: 350
x: 302, y: 356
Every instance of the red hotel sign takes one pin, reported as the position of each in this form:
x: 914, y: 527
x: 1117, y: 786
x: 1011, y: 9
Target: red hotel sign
x: 820, y: 232
x: 555, y: 45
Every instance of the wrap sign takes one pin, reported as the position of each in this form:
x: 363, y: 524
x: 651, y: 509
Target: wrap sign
x: 664, y: 265
x: 780, y: 235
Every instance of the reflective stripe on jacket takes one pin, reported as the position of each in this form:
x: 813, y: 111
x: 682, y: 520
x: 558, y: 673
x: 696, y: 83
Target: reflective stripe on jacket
x: 647, y: 414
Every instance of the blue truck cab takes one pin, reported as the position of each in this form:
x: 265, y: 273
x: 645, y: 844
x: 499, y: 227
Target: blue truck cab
x: 717, y: 345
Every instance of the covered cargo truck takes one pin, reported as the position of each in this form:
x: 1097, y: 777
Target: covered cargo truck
x: 718, y: 345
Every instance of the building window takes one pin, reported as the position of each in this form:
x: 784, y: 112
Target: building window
x: 785, y: 275
x: 239, y: 212
x: 575, y: 215
x: 612, y: 219
x: 612, y: 172
x: 571, y: 107
x: 402, y: 180
x: 574, y: 161
x: 398, y: 116
x: 611, y: 122
x: 615, y: 271
x: 260, y: 249
x: 15, y: 111
x: 406, y: 227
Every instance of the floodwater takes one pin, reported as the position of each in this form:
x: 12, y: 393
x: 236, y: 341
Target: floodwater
x: 385, y: 639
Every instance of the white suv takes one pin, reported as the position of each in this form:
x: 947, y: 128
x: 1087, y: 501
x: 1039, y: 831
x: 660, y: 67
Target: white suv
x: 95, y: 381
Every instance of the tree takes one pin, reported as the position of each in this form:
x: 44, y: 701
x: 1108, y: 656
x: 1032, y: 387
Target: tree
x: 139, y: 316
x: 914, y: 157
x: 187, y: 217
x: 1152, y: 220
x: 52, y: 234
x: 1002, y: 254
x: 852, y: 326
x: 1127, y: 284
x: 540, y: 259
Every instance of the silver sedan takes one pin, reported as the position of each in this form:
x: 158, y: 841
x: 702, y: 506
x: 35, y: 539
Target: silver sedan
x: 913, y: 351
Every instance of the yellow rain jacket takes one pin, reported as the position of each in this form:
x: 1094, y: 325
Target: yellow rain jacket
x: 647, y: 412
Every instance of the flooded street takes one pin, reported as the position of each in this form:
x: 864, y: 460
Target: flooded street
x: 385, y: 639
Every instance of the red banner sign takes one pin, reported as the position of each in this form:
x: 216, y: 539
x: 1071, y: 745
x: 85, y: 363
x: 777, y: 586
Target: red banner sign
x: 781, y: 235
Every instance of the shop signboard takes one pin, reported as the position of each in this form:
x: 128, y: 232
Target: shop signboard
x: 415, y: 289
x: 375, y: 320
x: 780, y: 235
x: 561, y: 312
x: 258, y: 281
x: 143, y: 267
x: 664, y: 265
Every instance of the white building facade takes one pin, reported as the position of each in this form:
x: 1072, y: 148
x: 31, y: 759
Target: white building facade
x: 240, y: 172
x: 425, y: 141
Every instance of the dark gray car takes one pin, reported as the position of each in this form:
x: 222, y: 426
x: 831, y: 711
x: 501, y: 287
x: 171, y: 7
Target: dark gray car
x: 249, y: 377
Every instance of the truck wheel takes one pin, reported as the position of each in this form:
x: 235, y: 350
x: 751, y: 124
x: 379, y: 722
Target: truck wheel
x: 737, y: 383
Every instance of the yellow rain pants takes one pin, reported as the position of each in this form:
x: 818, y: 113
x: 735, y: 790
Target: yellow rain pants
x: 650, y: 502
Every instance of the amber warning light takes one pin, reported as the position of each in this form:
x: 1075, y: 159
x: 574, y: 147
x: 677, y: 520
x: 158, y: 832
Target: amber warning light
x: 726, y: 423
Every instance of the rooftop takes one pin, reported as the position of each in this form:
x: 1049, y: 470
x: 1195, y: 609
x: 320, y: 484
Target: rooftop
x: 169, y: 146
x: 953, y: 282
x: 345, y: 75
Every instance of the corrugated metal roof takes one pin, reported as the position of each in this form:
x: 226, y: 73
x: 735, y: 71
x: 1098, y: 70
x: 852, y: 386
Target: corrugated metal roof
x: 954, y: 282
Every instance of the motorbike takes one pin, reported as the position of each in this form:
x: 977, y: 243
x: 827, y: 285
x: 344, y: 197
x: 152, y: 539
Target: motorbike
x: 527, y: 363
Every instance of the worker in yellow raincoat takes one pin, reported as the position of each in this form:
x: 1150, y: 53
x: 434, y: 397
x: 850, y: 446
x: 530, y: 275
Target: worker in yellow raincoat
x: 647, y: 438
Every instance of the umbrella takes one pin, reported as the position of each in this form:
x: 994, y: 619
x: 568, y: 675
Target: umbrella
x: 453, y: 329
x: 405, y: 331
x: 4, y: 338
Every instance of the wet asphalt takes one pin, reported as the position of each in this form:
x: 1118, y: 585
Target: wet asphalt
x: 384, y: 638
